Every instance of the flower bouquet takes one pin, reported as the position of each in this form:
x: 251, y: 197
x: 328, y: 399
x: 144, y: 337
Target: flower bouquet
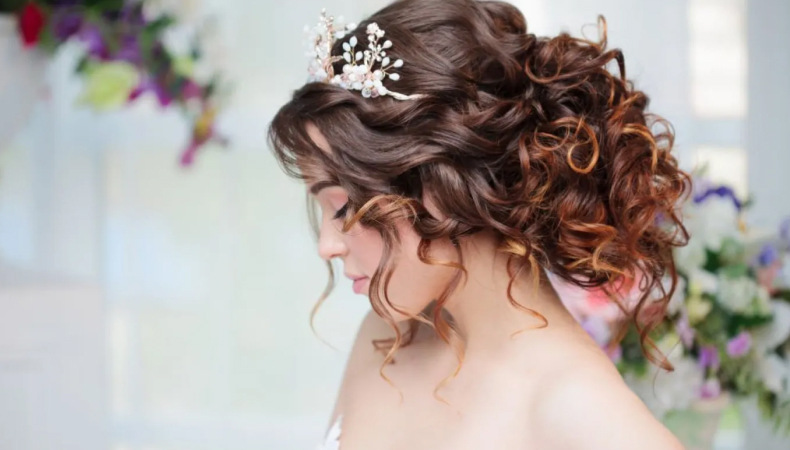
x: 125, y: 56
x: 726, y: 327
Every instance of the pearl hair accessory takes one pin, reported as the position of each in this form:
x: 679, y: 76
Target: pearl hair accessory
x: 358, y: 72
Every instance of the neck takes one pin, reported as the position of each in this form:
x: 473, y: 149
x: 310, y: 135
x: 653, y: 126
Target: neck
x: 480, y: 307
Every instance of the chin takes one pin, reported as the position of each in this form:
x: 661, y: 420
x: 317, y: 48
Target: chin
x: 400, y: 317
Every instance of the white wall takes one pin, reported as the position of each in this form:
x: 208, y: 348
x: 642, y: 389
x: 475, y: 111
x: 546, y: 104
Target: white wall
x: 209, y: 273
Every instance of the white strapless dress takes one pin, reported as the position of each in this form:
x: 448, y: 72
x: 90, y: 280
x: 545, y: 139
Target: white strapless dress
x: 332, y: 439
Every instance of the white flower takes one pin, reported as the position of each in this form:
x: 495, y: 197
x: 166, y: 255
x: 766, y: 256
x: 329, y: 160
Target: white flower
x: 691, y: 256
x: 678, y: 297
x: 762, y: 302
x: 737, y: 294
x: 185, y: 11
x: 703, y: 282
x: 775, y: 373
x: 769, y: 336
x: 784, y: 275
x: 673, y: 390
x: 712, y: 220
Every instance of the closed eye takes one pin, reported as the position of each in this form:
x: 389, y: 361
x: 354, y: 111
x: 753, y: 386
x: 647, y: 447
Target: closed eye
x: 342, y: 211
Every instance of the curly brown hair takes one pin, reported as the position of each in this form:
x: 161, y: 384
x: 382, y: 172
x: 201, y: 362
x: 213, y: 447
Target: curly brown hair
x: 532, y: 137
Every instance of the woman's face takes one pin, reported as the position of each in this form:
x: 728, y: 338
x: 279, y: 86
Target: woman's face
x: 414, y: 284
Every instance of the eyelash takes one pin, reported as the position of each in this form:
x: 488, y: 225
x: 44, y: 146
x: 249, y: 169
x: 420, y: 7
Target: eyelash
x: 342, y: 211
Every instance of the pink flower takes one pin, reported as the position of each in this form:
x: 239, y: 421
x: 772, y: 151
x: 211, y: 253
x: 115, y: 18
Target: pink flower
x: 766, y: 276
x: 582, y: 303
x: 709, y: 357
x: 615, y: 353
x: 711, y: 388
x: 739, y: 345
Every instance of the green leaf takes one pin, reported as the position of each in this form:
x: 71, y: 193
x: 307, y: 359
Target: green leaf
x: 83, y: 65
x: 736, y: 270
x: 712, y: 262
x: 47, y: 40
x: 739, y: 322
x: 11, y: 6
x: 104, y: 5
x: 160, y: 24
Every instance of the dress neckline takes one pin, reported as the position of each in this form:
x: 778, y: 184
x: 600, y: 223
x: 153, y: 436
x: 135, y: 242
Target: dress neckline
x: 332, y: 439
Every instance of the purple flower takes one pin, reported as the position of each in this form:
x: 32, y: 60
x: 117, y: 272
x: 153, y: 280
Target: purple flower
x: 784, y: 229
x: 739, y: 345
x: 768, y: 255
x: 721, y: 191
x: 66, y: 24
x: 597, y: 329
x: 130, y: 13
x: 188, y: 155
x: 148, y: 84
x: 685, y: 330
x: 191, y: 90
x: 709, y: 357
x: 130, y: 50
x: 93, y: 39
x: 615, y: 353
x: 711, y: 388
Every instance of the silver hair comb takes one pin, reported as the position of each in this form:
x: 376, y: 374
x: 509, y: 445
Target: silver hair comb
x: 359, y: 72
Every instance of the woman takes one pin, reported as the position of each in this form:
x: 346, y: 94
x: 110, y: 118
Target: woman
x: 456, y: 159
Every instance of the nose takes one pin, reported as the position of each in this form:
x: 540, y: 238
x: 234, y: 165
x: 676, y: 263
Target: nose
x: 330, y: 241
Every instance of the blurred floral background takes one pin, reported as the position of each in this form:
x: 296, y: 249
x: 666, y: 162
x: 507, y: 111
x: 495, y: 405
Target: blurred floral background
x: 156, y: 267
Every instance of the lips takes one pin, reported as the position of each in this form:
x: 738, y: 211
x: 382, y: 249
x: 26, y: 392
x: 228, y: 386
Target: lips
x: 359, y: 285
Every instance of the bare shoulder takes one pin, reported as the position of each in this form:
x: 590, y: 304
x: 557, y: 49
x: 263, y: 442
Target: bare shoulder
x: 362, y: 355
x: 594, y: 409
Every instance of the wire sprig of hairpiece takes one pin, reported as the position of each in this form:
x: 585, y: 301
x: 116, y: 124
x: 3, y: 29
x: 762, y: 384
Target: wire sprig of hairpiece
x: 360, y: 72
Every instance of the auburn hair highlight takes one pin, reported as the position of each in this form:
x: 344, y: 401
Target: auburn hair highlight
x: 532, y: 137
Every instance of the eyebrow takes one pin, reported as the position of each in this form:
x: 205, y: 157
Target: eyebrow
x: 317, y: 187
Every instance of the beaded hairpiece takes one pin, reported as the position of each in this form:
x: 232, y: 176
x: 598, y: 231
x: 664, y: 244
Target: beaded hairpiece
x: 358, y: 72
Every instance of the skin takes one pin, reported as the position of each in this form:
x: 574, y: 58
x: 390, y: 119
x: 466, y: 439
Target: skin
x: 548, y: 388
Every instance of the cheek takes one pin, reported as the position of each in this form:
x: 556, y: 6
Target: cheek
x: 367, y: 248
x: 414, y: 284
